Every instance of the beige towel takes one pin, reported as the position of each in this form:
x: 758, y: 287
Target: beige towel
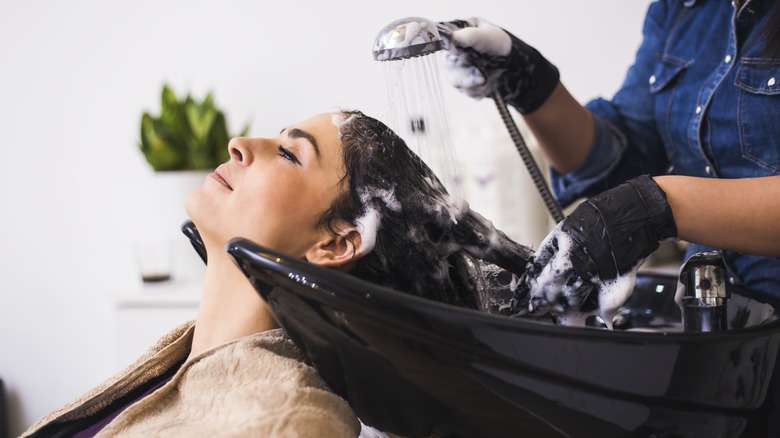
x: 254, y: 386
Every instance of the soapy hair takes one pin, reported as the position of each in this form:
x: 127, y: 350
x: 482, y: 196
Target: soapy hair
x: 418, y: 238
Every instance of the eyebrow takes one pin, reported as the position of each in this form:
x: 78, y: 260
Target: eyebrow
x: 299, y: 133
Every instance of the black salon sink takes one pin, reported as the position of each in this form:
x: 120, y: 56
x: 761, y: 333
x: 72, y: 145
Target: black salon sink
x: 416, y: 367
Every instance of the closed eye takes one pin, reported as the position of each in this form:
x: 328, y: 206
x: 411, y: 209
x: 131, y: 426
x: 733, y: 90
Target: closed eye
x: 287, y: 155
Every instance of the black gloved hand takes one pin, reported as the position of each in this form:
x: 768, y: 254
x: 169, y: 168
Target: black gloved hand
x: 484, y: 59
x: 599, y: 246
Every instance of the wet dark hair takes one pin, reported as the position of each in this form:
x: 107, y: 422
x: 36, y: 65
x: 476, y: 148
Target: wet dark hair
x: 425, y: 238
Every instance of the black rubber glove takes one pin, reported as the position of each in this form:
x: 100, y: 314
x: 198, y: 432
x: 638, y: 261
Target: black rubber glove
x: 599, y: 247
x: 484, y: 59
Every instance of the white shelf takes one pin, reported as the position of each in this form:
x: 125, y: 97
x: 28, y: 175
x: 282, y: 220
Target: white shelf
x: 162, y: 295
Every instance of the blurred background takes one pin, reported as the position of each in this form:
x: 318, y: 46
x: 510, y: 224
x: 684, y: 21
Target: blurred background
x: 79, y: 201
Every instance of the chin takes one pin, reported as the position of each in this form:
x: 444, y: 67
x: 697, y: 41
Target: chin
x: 199, y: 211
x: 213, y: 228
x: 192, y: 203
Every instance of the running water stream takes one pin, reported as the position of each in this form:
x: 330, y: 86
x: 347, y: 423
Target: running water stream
x: 418, y: 115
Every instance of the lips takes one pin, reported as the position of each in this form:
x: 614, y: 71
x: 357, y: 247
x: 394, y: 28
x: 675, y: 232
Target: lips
x: 221, y: 176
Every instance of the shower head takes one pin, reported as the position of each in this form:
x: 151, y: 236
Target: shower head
x: 410, y: 37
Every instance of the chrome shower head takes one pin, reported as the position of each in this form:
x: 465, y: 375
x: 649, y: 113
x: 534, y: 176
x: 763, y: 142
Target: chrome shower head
x: 410, y: 37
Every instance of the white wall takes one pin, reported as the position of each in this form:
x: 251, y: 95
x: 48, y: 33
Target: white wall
x: 75, y: 77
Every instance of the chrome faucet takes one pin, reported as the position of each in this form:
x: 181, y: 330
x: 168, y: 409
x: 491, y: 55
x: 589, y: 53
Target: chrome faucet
x: 702, y: 294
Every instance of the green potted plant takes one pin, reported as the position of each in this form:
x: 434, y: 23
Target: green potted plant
x: 187, y: 135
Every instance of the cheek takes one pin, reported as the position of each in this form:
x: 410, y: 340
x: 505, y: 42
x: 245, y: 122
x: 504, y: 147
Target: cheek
x: 291, y: 195
x: 272, y: 214
x: 284, y: 196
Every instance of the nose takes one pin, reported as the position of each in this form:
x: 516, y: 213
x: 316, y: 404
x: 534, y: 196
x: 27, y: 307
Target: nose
x: 244, y: 150
x: 240, y: 150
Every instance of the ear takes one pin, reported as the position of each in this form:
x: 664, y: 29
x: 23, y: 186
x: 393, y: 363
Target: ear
x: 336, y: 250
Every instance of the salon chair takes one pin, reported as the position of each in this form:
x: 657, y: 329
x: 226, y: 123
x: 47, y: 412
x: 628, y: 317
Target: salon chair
x: 415, y: 367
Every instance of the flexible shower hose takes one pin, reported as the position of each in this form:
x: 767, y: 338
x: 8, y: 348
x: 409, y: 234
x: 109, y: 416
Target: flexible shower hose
x: 533, y: 169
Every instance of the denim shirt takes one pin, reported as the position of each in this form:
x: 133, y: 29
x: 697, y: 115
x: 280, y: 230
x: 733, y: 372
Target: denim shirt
x: 701, y: 99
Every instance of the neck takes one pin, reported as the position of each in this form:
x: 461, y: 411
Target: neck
x: 230, y: 308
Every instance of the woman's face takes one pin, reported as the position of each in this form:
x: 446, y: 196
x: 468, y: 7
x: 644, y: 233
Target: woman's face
x: 273, y: 190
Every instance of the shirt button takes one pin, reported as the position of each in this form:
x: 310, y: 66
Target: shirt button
x: 698, y: 109
x: 708, y: 169
x: 652, y: 79
x: 727, y: 59
x: 731, y: 280
x: 770, y: 82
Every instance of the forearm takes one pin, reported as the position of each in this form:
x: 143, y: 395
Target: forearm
x: 733, y: 214
x: 564, y: 130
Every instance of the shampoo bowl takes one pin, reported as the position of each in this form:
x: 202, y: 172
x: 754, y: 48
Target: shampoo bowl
x: 415, y: 367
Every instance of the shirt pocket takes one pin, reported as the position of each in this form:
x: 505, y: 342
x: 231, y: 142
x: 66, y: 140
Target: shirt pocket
x: 758, y: 80
x: 667, y: 73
